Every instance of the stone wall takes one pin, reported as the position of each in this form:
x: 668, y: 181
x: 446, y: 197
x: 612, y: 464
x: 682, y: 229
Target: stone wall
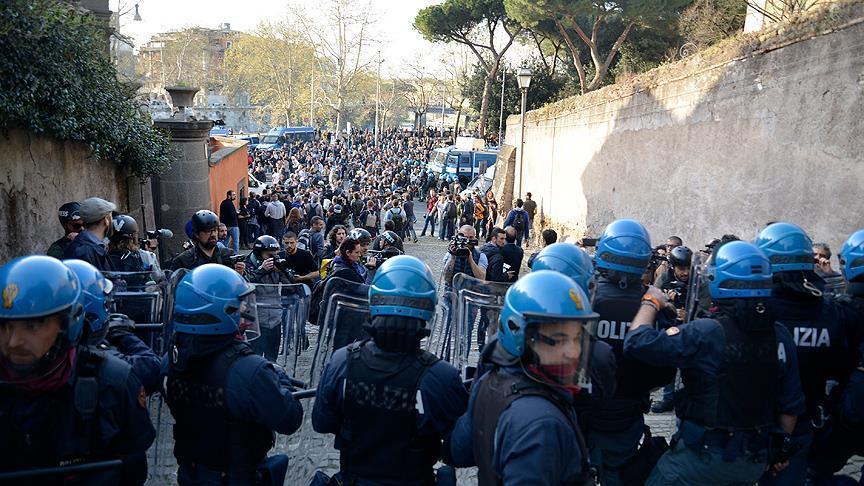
x: 38, y: 174
x: 772, y: 131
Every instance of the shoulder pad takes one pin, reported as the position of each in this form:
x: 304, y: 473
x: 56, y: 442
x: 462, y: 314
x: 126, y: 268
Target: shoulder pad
x: 114, y: 372
x: 426, y: 358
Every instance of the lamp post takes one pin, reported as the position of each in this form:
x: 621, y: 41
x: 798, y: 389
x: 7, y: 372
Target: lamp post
x: 377, y: 98
x: 501, y: 108
x: 523, y: 77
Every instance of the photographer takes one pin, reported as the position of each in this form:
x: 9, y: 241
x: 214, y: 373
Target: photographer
x: 298, y: 261
x: 263, y: 269
x: 463, y: 256
x: 674, y: 281
x: 205, y: 228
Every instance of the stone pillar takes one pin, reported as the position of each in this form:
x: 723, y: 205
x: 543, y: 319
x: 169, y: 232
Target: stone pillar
x: 185, y: 187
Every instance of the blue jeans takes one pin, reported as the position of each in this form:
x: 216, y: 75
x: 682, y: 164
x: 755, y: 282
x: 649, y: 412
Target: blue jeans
x: 446, y: 229
x: 611, y: 450
x: 683, y: 465
x: 430, y: 221
x: 234, y: 233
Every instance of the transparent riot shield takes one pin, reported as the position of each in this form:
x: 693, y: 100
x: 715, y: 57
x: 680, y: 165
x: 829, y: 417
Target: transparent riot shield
x: 141, y: 296
x: 344, y: 311
x: 440, y: 339
x: 478, y: 304
x: 283, y: 309
x: 698, y: 300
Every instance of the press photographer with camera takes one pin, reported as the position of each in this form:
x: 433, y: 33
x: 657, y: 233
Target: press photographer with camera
x: 463, y: 256
x: 267, y: 268
x: 125, y: 247
x: 205, y: 229
x: 675, y: 280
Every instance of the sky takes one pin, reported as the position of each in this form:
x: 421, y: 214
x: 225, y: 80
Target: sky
x: 399, y: 41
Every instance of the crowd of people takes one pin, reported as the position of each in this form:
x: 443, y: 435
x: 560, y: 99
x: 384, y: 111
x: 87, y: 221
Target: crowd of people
x: 765, y: 339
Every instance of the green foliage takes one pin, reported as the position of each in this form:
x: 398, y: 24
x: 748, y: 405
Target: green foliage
x: 58, y: 80
x: 545, y: 88
x: 454, y: 19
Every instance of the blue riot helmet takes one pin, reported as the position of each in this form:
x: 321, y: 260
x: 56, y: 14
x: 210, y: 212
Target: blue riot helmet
x: 96, y: 297
x: 787, y: 247
x: 739, y: 270
x: 624, y: 246
x: 215, y: 300
x: 568, y: 259
x: 35, y: 287
x: 403, y: 286
x: 547, y: 321
x: 852, y: 256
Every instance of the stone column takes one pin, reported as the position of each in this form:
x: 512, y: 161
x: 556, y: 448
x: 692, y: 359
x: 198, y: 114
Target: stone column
x: 185, y: 187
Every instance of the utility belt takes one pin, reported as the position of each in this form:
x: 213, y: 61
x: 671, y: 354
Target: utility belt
x: 271, y: 472
x: 732, y: 443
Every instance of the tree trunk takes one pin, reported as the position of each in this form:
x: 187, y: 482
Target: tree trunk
x: 487, y: 94
x: 456, y: 126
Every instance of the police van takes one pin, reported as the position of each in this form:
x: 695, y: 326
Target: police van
x: 280, y: 137
x: 467, y: 159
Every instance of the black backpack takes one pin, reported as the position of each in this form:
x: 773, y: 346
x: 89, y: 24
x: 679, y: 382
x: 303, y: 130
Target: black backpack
x: 398, y: 219
x: 519, y: 221
x: 451, y: 210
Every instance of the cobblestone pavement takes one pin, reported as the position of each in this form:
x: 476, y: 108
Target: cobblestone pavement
x: 309, y: 451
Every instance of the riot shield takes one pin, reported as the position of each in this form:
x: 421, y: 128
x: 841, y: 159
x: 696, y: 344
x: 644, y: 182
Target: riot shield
x: 141, y: 296
x: 478, y: 304
x: 698, y: 299
x: 285, y: 307
x: 440, y: 339
x: 344, y: 311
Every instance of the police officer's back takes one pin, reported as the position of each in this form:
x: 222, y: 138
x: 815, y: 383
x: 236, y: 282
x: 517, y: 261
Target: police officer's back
x: 389, y: 403
x: 226, y: 401
x: 616, y: 428
x: 816, y: 325
x: 62, y: 403
x: 521, y: 425
x: 205, y: 229
x: 739, y: 370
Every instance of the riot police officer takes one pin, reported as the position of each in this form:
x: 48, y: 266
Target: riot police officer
x: 570, y: 260
x: 843, y: 435
x: 61, y: 403
x: 521, y: 426
x: 389, y: 403
x: 815, y: 323
x: 615, y: 429
x: 223, y: 440
x: 113, y: 332
x: 739, y: 374
x: 205, y: 230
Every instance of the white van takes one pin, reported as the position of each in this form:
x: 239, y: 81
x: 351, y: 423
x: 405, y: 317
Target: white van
x: 480, y: 184
x: 255, y: 186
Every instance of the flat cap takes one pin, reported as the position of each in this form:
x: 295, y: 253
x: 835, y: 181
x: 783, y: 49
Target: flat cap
x: 93, y: 209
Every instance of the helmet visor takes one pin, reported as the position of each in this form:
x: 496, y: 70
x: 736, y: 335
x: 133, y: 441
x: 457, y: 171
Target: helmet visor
x: 558, y: 352
x: 248, y: 324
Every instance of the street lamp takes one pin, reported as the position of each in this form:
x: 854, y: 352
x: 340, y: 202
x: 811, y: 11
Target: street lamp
x: 137, y: 17
x: 523, y: 77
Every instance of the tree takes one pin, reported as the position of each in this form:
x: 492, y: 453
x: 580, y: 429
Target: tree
x: 583, y: 22
x: 457, y: 76
x: 420, y: 88
x: 545, y: 88
x: 273, y: 65
x: 340, y: 38
x: 476, y: 24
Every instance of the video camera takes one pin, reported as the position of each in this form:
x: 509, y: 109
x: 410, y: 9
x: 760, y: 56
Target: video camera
x: 680, y: 288
x: 461, y: 244
x: 155, y: 235
x: 235, y: 259
x: 380, y: 256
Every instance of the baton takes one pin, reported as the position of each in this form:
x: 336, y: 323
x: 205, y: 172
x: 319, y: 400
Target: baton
x: 64, y: 470
x: 299, y: 395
